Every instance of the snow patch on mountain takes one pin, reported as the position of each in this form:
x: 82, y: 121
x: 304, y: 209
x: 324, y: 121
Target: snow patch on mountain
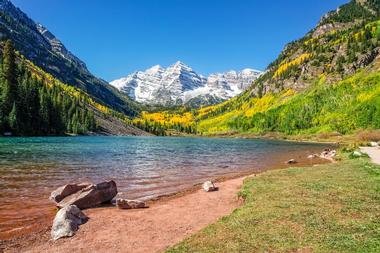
x: 178, y: 84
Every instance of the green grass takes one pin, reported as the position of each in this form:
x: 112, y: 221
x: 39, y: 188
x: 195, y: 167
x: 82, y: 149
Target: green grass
x: 326, y: 208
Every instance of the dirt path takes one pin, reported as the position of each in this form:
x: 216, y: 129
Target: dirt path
x: 373, y: 152
x: 146, y: 230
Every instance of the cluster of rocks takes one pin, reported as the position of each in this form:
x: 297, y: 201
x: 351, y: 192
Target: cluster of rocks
x: 328, y: 154
x: 72, y: 198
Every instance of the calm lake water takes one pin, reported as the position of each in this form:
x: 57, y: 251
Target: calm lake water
x: 143, y: 167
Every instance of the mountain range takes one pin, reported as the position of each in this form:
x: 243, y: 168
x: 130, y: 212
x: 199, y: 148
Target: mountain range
x: 179, y: 84
x: 327, y: 81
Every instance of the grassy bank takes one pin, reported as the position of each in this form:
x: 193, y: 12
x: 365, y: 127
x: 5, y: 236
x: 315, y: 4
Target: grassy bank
x: 327, y: 208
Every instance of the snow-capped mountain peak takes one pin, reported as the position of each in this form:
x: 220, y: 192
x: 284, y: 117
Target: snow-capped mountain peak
x: 179, y: 84
x: 155, y: 70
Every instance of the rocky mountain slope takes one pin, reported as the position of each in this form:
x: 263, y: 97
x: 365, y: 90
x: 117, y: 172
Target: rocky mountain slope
x: 338, y: 46
x: 40, y: 46
x: 179, y: 84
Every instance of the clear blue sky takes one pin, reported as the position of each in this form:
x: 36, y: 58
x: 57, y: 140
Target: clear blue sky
x: 117, y: 37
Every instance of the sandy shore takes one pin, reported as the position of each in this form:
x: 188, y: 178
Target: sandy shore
x: 153, y: 229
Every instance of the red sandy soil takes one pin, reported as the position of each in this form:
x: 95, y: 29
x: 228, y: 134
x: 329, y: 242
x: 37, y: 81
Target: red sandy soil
x: 153, y: 229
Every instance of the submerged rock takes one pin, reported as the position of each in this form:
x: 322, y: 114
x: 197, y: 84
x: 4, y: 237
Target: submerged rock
x: 67, y: 222
x: 209, y: 186
x: 130, y: 204
x: 66, y: 190
x: 91, y: 196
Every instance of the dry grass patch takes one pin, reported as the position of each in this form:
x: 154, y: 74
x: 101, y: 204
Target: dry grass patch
x: 369, y: 135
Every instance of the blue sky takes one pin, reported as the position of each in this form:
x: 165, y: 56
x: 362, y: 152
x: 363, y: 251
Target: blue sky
x: 117, y: 37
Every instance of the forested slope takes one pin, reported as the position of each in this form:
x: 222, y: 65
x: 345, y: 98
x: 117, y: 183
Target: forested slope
x: 33, y: 102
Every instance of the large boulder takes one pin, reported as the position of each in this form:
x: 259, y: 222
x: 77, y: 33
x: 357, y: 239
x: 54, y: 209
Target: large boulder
x: 66, y: 190
x: 130, y: 204
x: 91, y: 196
x: 209, y: 186
x: 67, y: 222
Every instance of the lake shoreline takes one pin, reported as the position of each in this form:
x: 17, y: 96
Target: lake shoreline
x: 40, y: 235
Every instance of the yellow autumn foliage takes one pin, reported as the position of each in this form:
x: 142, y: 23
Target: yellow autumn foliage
x: 50, y: 81
x: 167, y: 118
x: 286, y: 65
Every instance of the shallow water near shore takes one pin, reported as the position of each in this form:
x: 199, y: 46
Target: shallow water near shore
x: 143, y: 167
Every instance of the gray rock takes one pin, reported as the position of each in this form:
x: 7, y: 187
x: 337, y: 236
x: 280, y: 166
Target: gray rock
x: 130, y: 204
x: 291, y: 161
x: 66, y: 190
x: 357, y: 154
x: 67, y: 222
x: 91, y: 196
x: 209, y: 186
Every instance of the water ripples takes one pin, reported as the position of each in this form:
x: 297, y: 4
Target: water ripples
x: 143, y: 167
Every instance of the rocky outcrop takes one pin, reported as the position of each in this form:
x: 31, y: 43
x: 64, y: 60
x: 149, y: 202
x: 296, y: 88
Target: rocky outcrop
x: 367, y: 58
x: 67, y: 222
x: 209, y: 186
x: 130, y: 204
x: 90, y: 196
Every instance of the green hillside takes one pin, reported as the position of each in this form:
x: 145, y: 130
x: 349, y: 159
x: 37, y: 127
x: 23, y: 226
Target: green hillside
x: 325, y: 82
x: 342, y: 107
